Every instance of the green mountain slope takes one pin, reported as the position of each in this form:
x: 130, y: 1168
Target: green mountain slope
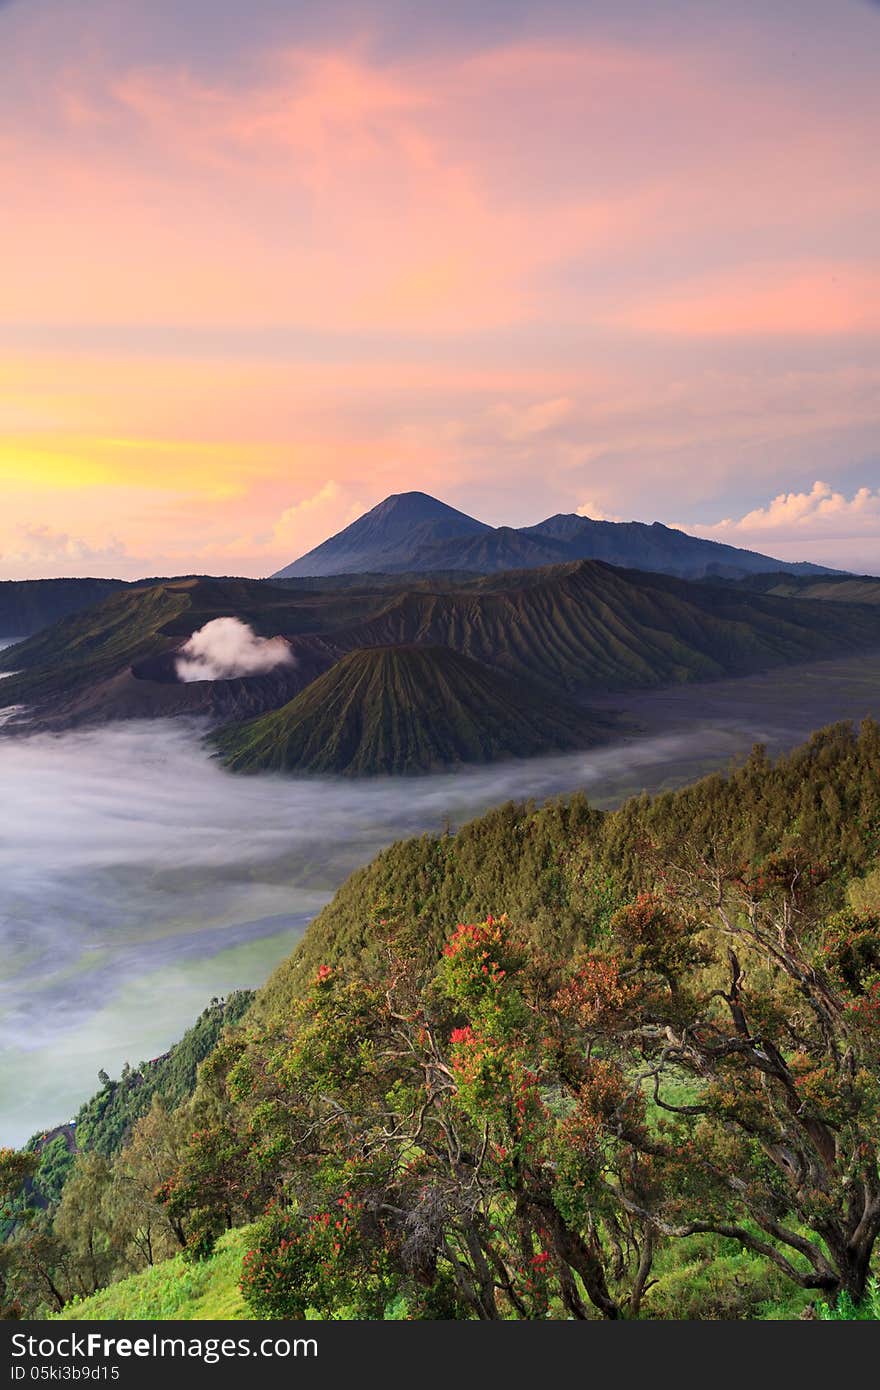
x: 560, y: 869
x: 588, y: 626
x: 405, y: 709
x: 116, y: 660
x: 575, y: 628
x: 103, y: 1124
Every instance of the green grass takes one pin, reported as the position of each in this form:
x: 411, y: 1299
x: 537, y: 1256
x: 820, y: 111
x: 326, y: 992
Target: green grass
x: 174, y: 1289
x: 705, y: 1278
x: 696, y: 1279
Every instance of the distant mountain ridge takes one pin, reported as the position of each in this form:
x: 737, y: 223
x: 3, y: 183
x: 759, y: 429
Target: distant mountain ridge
x: 411, y: 532
x: 28, y: 605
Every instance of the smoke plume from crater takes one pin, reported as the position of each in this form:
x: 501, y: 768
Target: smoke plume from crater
x: 225, y: 648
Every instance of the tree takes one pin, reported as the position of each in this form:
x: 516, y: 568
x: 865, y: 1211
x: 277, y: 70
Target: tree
x: 427, y: 1132
x: 141, y: 1172
x: 734, y: 980
x: 15, y: 1168
x: 83, y: 1226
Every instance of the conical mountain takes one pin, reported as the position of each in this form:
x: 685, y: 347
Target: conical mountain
x: 387, y: 539
x: 406, y: 709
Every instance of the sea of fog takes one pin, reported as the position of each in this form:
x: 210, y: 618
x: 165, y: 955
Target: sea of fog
x: 139, y: 878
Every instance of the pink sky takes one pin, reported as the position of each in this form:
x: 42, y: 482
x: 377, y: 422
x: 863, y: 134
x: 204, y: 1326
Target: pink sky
x: 259, y: 273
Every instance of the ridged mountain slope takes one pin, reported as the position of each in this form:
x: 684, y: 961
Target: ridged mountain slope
x: 405, y: 709
x: 589, y: 626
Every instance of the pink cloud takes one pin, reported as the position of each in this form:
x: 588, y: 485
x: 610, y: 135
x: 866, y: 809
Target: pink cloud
x: 818, y: 298
x: 325, y: 188
x: 495, y: 270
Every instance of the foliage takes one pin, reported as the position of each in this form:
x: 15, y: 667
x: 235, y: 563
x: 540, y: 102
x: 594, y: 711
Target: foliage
x: 846, y: 1309
x: 79, y: 1204
x: 434, y: 1134
x: 105, y: 1122
x: 511, y: 1126
x: 560, y: 870
x: 651, y: 1090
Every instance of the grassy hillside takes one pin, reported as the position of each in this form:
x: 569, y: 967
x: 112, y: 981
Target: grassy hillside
x: 406, y: 709
x: 174, y: 1289
x: 598, y: 945
x: 699, y: 1282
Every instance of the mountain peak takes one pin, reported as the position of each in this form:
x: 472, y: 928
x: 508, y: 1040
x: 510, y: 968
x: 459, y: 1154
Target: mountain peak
x: 386, y: 538
x: 411, y: 532
x: 420, y: 506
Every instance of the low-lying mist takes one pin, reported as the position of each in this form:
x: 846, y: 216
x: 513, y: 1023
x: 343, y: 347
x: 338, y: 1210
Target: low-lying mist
x: 139, y: 878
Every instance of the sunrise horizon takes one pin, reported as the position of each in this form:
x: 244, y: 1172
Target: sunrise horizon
x: 277, y: 268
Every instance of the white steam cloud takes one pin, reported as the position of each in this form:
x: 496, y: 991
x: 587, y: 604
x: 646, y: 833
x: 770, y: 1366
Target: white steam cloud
x: 225, y: 648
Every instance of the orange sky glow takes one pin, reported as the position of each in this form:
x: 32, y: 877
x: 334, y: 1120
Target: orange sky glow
x: 576, y: 261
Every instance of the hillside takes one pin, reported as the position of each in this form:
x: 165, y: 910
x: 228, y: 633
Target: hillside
x: 597, y: 947
x: 173, y: 1289
x: 413, y: 532
x: 117, y: 659
x: 836, y: 588
x: 589, y: 626
x: 29, y: 605
x: 559, y: 870
x: 405, y: 709
x: 655, y: 547
x: 105, y: 1122
x: 576, y: 628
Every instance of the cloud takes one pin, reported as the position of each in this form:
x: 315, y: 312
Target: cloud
x: 819, y: 524
x: 523, y: 422
x: 312, y: 520
x: 225, y: 648
x: 811, y: 299
x: 819, y: 511
x: 42, y: 546
x: 298, y: 529
x: 596, y: 512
